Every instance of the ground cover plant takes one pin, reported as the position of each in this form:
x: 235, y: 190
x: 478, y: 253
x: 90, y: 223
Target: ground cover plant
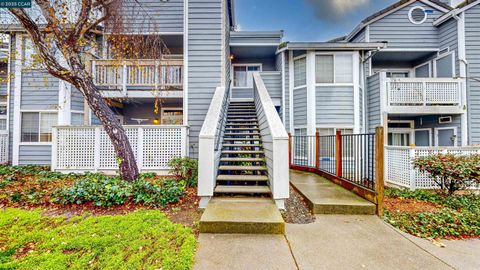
x: 144, y: 239
x: 431, y: 214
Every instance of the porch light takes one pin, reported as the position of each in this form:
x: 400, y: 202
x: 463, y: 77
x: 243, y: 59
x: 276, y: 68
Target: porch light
x: 156, y: 121
x: 232, y: 56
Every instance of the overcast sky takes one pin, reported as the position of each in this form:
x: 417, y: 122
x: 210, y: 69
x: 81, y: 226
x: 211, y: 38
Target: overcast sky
x: 305, y: 20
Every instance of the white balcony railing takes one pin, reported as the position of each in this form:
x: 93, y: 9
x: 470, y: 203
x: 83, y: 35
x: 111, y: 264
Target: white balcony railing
x: 150, y: 74
x: 405, y: 92
x: 88, y: 148
x: 3, y: 148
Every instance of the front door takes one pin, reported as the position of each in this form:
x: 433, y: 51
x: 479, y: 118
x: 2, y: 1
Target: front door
x: 446, y: 136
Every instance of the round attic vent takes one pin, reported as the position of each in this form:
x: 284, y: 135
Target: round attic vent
x: 417, y: 15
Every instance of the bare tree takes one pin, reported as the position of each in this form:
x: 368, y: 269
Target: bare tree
x: 71, y: 28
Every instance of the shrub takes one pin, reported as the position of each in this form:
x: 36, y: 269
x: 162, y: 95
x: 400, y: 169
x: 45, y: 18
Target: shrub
x: 450, y: 172
x: 185, y: 169
x: 107, y: 191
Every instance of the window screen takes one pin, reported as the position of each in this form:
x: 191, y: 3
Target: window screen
x: 343, y: 68
x: 29, y: 130
x: 444, y: 67
x: 324, y: 69
x: 47, y: 121
x: 300, y: 72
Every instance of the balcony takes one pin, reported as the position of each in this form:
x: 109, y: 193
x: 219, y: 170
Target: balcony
x: 139, y: 78
x: 424, y: 95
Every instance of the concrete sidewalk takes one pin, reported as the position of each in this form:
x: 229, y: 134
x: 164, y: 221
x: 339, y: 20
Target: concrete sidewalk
x: 332, y: 242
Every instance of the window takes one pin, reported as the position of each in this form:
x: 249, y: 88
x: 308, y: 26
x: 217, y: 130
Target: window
x: 417, y: 15
x: 399, y: 138
x: 423, y: 71
x: 77, y: 119
x: 300, y: 72
x: 334, y: 68
x: 444, y: 66
x: 398, y: 74
x: 243, y: 75
x: 37, y: 126
x: 3, y: 113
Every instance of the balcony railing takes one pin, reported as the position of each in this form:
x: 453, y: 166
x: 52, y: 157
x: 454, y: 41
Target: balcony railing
x: 138, y: 74
x: 424, y: 92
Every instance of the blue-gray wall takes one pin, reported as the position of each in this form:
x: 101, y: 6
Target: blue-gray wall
x: 397, y: 29
x: 373, y: 102
x: 204, y: 61
x: 300, y: 107
x: 334, y: 106
x: 273, y: 83
x: 472, y: 43
x: 448, y: 37
x: 153, y: 16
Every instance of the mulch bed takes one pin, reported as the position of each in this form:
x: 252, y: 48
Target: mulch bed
x: 409, y: 205
x: 296, y: 209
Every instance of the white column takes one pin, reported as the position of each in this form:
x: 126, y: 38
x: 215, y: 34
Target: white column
x: 64, y: 103
x: 185, y: 65
x: 17, y: 92
x: 356, y: 92
x: 283, y: 90
x: 311, y: 104
x: 462, y: 56
x: 290, y: 90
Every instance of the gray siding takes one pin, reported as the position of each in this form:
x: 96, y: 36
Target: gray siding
x: 242, y: 92
x: 373, y: 102
x: 397, y: 29
x: 205, y: 62
x: 287, y: 93
x: 472, y: 40
x: 253, y: 38
x: 153, y: 16
x: 39, y: 90
x: 300, y: 107
x: 273, y: 83
x: 77, y: 100
x: 448, y: 37
x: 334, y: 106
x: 10, y: 103
x: 35, y: 154
x: 3, y: 89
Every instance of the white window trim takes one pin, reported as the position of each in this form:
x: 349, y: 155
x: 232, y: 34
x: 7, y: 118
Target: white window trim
x: 232, y: 74
x: 334, y: 54
x: 39, y: 122
x: 410, y: 130
x: 5, y: 117
x: 429, y: 63
x: 429, y: 135
x: 446, y: 128
x: 410, y: 17
x: 306, y: 71
x: 452, y: 54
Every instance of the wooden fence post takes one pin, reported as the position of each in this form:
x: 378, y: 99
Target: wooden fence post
x: 338, y: 153
x: 379, y: 166
x: 289, y: 150
x: 317, y: 150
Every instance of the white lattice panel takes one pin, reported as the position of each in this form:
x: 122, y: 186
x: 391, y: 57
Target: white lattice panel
x: 423, y: 180
x: 90, y: 149
x: 75, y: 148
x: 398, y: 167
x: 160, y: 146
x: 3, y: 148
x: 442, y: 92
x: 108, y: 158
x: 406, y: 93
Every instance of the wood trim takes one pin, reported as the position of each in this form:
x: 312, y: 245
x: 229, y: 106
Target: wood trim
x: 379, y: 172
x: 338, y: 153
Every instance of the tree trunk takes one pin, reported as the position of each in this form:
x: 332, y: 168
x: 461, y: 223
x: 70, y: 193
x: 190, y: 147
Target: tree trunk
x: 127, y: 165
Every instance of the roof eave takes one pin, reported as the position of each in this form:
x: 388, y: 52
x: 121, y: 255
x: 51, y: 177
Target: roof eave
x: 338, y: 46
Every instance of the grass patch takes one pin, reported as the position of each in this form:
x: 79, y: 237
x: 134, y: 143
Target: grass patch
x: 144, y: 239
x: 449, y: 216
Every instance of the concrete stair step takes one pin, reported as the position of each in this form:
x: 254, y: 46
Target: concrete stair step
x: 246, y: 178
x: 242, y: 168
x: 242, y: 152
x: 242, y: 139
x: 242, y: 189
x: 242, y: 134
x: 243, y: 125
x: 242, y: 215
x: 243, y: 128
x: 242, y: 159
x: 241, y: 145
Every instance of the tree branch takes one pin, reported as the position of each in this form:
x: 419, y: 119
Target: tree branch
x: 39, y: 40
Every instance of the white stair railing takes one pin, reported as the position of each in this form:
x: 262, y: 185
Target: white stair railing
x: 210, y: 139
x: 274, y: 141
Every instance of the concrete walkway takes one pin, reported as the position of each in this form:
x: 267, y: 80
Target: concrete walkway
x: 333, y: 242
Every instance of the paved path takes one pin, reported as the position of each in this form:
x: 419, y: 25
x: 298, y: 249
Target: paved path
x: 334, y: 242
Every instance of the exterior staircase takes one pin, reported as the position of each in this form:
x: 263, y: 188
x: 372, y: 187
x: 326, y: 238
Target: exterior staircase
x: 242, y: 169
